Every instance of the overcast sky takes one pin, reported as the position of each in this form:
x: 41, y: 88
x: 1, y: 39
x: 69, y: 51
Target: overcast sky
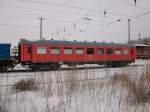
x: 67, y: 19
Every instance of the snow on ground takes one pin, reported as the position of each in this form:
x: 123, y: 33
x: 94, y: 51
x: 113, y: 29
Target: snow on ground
x: 70, y: 91
x: 141, y: 62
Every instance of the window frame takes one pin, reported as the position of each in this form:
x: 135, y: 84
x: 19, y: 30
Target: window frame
x: 67, y: 48
x: 80, y: 52
x: 52, y: 48
x: 124, y: 51
x: 108, y: 51
x: 92, y: 53
x: 120, y: 51
x: 41, y: 53
x: 102, y: 49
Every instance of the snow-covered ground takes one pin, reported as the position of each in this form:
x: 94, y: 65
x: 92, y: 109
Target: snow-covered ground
x: 70, y: 91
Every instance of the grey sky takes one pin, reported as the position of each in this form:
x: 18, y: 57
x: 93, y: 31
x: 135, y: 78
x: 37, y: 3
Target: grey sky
x: 64, y: 19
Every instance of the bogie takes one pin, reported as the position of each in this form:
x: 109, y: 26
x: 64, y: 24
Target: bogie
x: 44, y: 67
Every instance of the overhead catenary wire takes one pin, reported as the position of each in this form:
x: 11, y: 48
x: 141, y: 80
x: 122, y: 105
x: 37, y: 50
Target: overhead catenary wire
x: 80, y: 9
x: 132, y: 4
x: 114, y: 14
x: 19, y: 17
x: 101, y: 11
x: 85, y: 9
x: 89, y: 26
x: 77, y: 20
x: 17, y: 25
x: 37, y: 10
x: 96, y: 25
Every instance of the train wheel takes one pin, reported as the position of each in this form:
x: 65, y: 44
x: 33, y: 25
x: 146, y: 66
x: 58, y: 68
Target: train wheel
x: 120, y: 64
x: 55, y: 66
x: 117, y: 64
x: 34, y: 68
x: 44, y: 67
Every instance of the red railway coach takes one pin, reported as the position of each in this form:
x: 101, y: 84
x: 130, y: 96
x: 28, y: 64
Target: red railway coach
x: 50, y: 54
x: 142, y: 51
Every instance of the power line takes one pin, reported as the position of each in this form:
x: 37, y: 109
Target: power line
x: 89, y: 24
x: 90, y: 10
x: 15, y: 25
x: 17, y: 17
x: 29, y: 18
x: 58, y: 5
x: 64, y: 12
x: 85, y: 9
x: 98, y: 11
x: 129, y: 4
x: 38, y: 9
x: 94, y: 25
x: 73, y: 7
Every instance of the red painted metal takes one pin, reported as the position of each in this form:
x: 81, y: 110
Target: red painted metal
x: 33, y: 57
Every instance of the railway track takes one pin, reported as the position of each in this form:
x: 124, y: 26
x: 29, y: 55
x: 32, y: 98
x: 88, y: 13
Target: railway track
x: 65, y: 69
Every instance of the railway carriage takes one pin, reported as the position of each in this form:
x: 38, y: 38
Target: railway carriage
x: 6, y: 60
x: 50, y: 54
x: 142, y: 51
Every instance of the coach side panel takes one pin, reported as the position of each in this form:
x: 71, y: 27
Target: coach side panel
x: 25, y: 53
x: 62, y: 53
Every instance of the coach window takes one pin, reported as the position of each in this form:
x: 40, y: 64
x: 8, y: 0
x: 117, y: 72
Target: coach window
x: 90, y: 50
x: 125, y: 51
x: 55, y: 50
x: 100, y: 51
x: 41, y: 50
x: 79, y: 50
x: 117, y: 51
x: 109, y: 51
x: 67, y: 50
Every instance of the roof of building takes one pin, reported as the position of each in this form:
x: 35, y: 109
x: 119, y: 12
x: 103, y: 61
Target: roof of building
x: 81, y: 43
x: 141, y: 45
x: 5, y: 44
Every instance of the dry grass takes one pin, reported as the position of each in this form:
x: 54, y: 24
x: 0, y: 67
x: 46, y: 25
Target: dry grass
x: 2, y: 109
x: 73, y: 84
x: 25, y: 85
x: 138, y: 89
x: 138, y: 93
x: 122, y: 79
x: 76, y: 90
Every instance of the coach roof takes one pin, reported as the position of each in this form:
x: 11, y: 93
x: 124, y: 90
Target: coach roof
x: 81, y: 43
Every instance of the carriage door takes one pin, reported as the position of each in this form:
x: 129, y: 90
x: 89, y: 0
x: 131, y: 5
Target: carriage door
x: 132, y: 54
x: 90, y: 53
x: 29, y: 51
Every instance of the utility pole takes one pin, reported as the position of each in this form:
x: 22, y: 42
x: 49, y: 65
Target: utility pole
x: 139, y: 38
x: 41, y: 23
x: 129, y: 30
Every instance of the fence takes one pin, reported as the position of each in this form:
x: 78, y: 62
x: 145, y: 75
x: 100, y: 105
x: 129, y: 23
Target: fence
x: 67, y: 91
